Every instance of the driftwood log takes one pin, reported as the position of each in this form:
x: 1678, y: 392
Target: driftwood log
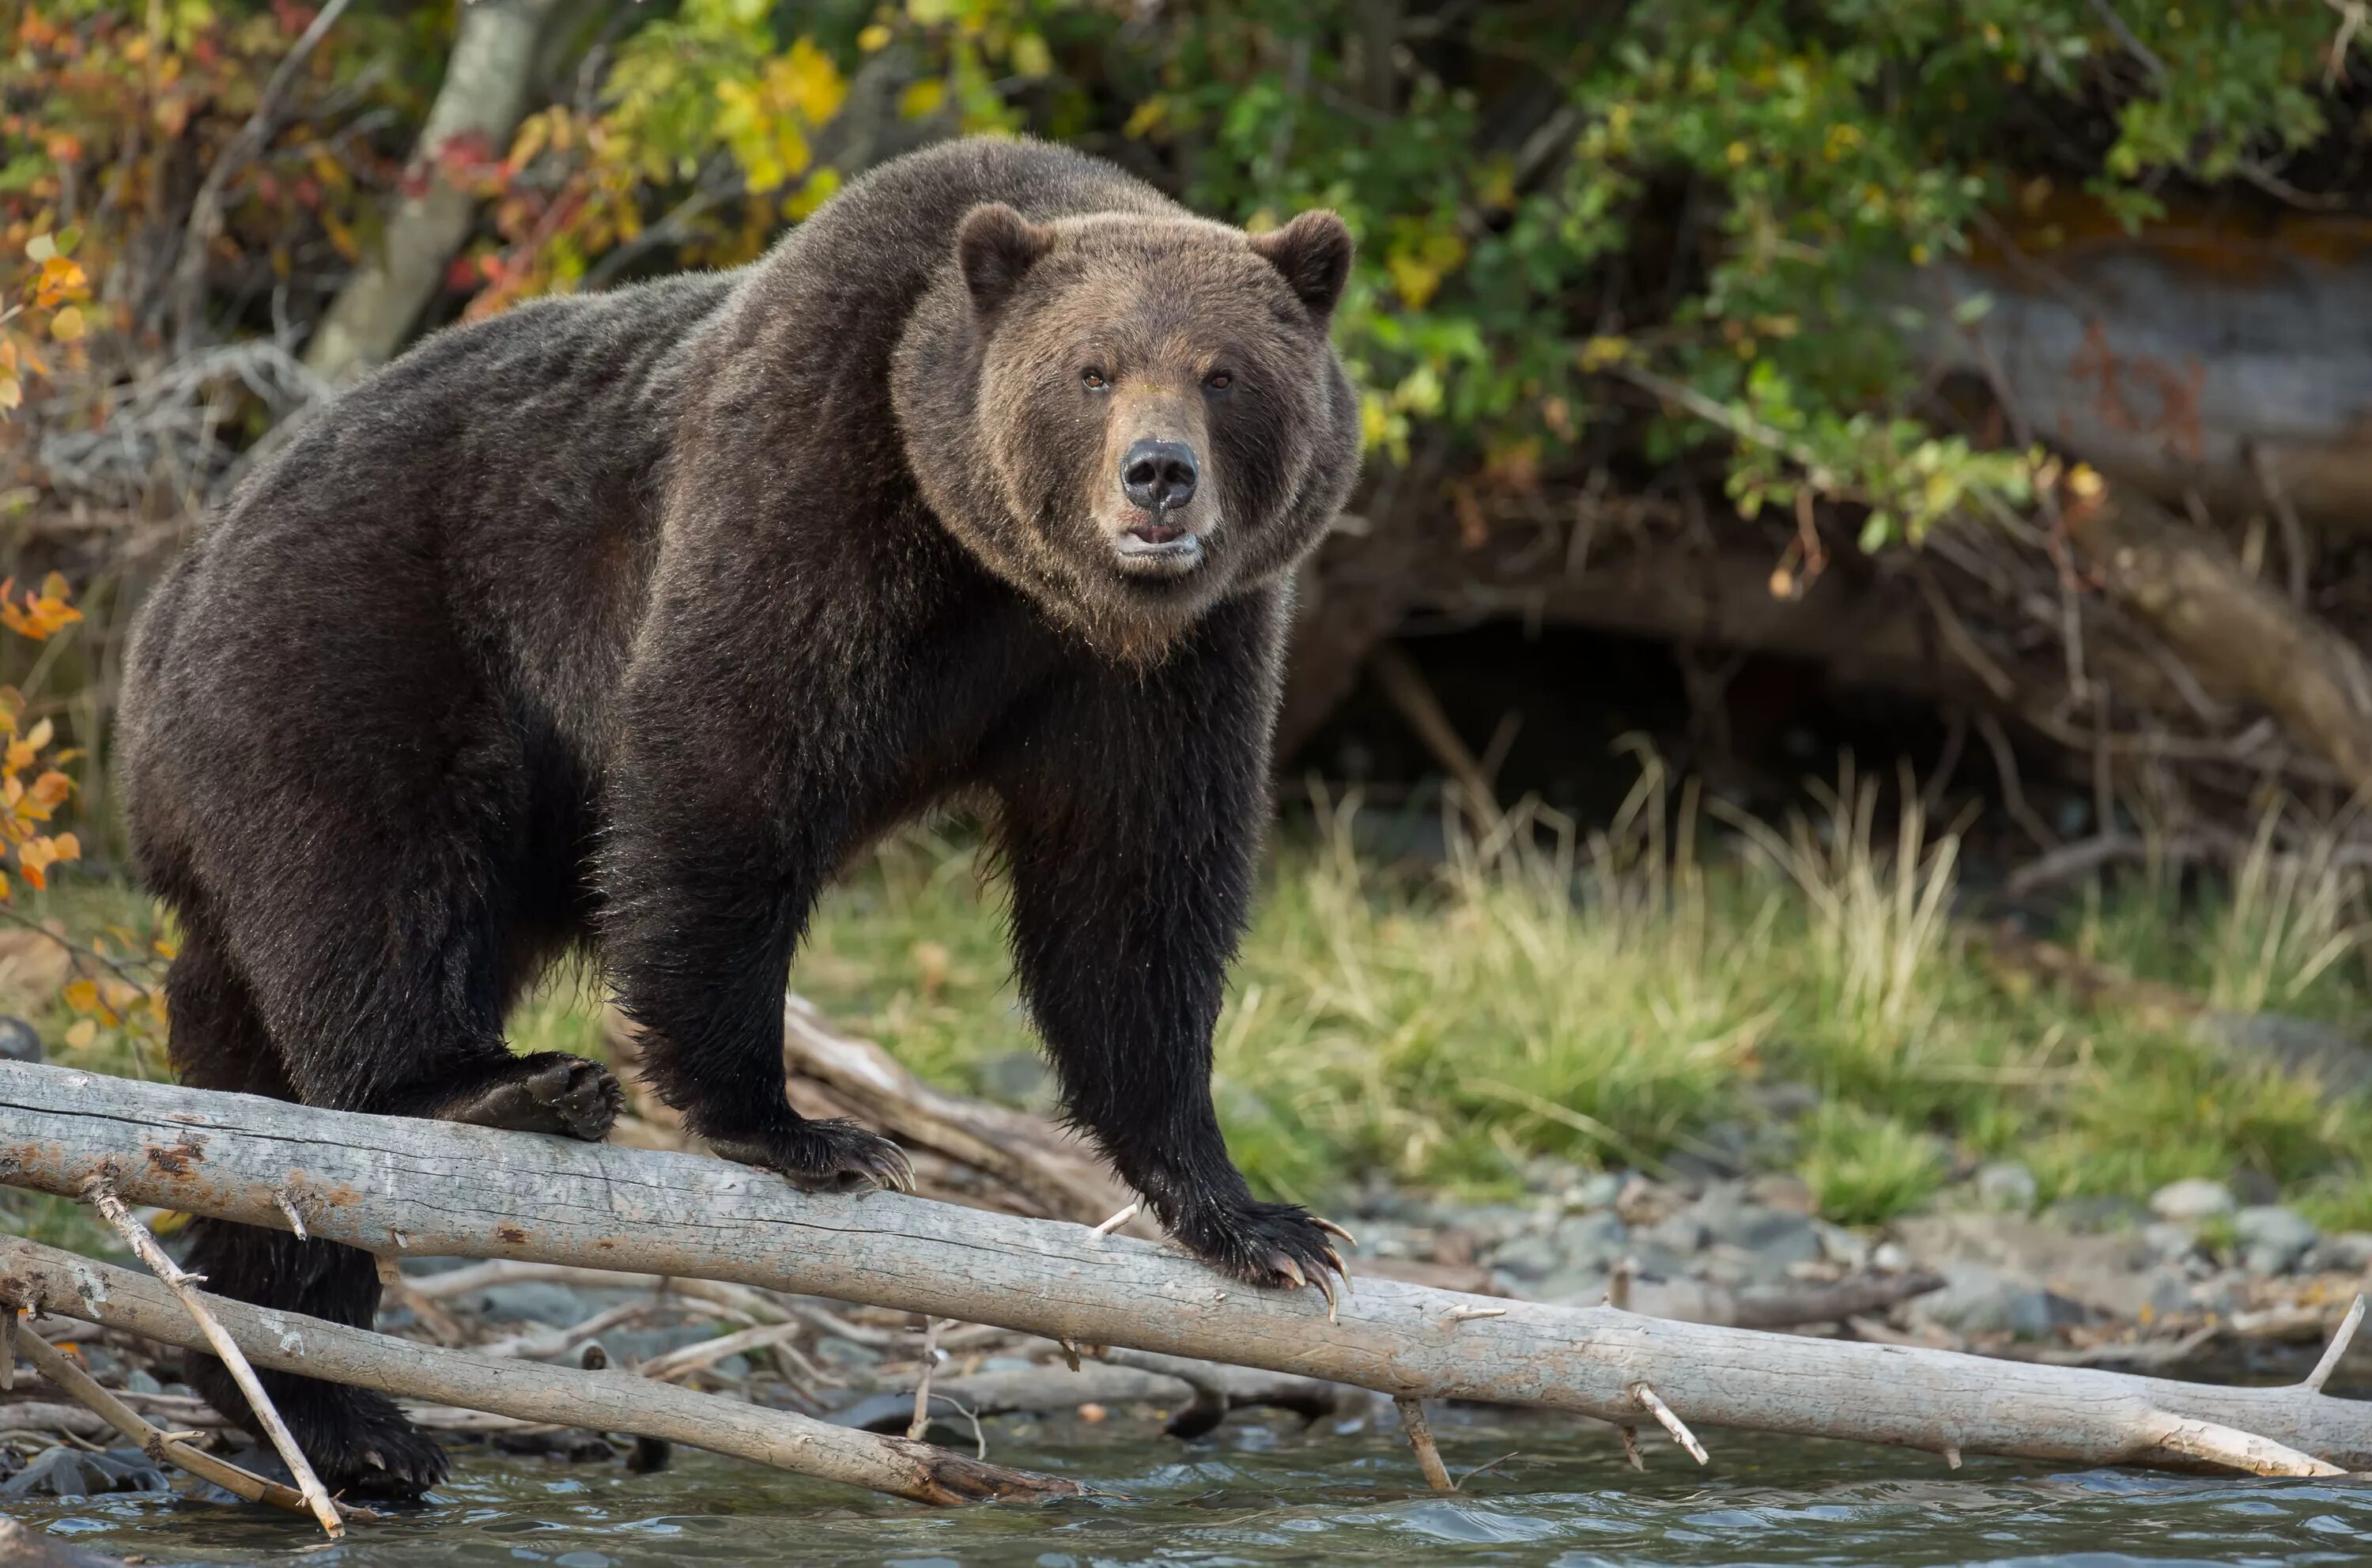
x: 395, y: 1186
x: 609, y: 1401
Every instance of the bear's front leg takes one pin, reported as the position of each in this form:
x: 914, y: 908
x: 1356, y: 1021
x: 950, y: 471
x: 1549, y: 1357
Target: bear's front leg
x: 1130, y: 823
x: 709, y: 877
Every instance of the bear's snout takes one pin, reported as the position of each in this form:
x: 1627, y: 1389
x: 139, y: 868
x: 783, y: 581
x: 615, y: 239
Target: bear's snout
x: 1157, y: 476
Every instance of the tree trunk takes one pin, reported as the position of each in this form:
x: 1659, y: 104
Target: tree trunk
x: 484, y: 95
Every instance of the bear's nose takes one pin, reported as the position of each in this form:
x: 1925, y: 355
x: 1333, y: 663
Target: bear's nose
x: 1158, y: 475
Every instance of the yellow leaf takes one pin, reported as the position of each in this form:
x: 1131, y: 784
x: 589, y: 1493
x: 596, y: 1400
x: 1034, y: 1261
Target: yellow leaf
x: 1146, y: 117
x: 40, y: 735
x: 69, y: 847
x: 82, y: 1033
x: 922, y: 100
x: 1600, y: 351
x: 82, y: 996
x: 67, y: 325
x: 41, y: 247
x: 873, y: 38
x: 1031, y: 58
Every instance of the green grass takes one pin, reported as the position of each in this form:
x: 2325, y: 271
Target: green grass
x: 1617, y: 999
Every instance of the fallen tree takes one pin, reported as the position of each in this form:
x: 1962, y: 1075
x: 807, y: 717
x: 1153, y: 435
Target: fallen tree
x: 398, y: 1186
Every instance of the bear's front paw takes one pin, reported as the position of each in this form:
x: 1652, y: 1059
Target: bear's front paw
x: 823, y: 1156
x: 549, y: 1092
x: 1275, y: 1244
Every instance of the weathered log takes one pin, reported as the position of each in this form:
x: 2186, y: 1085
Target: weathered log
x: 2199, y: 355
x: 393, y: 1185
x: 2242, y: 638
x: 605, y: 1402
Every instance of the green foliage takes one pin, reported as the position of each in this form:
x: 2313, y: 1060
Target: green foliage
x: 1557, y: 206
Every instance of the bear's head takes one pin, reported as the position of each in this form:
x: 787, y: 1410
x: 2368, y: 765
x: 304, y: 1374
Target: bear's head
x: 1131, y: 416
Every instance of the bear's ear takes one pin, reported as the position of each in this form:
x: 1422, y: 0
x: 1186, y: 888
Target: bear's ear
x: 1313, y: 251
x: 995, y: 246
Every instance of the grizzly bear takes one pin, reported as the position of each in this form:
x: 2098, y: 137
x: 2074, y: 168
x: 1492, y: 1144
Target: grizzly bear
x: 627, y: 619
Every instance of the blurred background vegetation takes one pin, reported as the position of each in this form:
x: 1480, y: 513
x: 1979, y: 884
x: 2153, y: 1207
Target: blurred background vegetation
x: 1847, y: 658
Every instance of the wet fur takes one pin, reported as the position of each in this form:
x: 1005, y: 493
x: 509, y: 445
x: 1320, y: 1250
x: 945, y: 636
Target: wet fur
x: 630, y: 618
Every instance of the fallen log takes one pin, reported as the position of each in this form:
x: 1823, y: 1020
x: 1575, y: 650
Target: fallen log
x: 393, y: 1185
x: 59, y: 1282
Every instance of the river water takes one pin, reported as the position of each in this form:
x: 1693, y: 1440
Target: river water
x: 1255, y: 1494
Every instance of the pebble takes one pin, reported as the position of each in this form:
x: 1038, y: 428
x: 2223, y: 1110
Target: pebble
x: 18, y: 1042
x: 534, y: 1301
x: 1979, y: 1300
x: 2274, y: 1240
x: 2192, y: 1201
x: 2007, y: 1187
x: 67, y: 1472
x: 2169, y: 1242
x: 2349, y: 1252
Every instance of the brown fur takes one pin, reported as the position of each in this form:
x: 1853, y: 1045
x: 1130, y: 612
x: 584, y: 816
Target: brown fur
x: 630, y: 618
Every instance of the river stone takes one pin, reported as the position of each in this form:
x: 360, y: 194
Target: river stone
x: 2337, y: 1060
x: 1840, y: 1246
x: 2007, y: 1187
x: 2170, y: 1241
x: 533, y: 1301
x: 1527, y: 1258
x: 2349, y: 1252
x: 67, y: 1472
x: 1680, y: 1235
x: 19, y: 1041
x: 1979, y: 1300
x: 2192, y: 1201
x: 1591, y: 1240
x: 2274, y: 1240
x: 1771, y: 1235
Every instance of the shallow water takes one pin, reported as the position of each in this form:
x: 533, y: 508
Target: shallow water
x: 1256, y: 1495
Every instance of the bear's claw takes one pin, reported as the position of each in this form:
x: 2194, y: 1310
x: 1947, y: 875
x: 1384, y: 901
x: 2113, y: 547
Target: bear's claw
x: 824, y: 1156
x: 1277, y: 1246
x: 549, y: 1092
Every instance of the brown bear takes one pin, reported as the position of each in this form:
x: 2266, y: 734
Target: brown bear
x: 628, y: 618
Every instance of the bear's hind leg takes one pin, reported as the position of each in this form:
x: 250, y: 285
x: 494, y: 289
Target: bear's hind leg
x: 358, y: 1441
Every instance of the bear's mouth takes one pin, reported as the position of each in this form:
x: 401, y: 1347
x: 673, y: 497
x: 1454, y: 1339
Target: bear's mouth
x: 1157, y: 546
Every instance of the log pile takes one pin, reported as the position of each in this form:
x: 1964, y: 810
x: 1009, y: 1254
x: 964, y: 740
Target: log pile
x: 407, y: 1187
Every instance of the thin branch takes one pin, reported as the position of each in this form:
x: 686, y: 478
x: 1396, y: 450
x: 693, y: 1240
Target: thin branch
x: 164, y: 1447
x: 103, y: 1198
x: 1671, y: 1423
x: 206, y: 208
x: 922, y: 1422
x: 2338, y: 1351
x: 1419, y: 1437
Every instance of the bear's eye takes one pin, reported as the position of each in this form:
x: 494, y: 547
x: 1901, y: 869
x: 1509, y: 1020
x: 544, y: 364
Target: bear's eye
x: 1219, y: 382
x: 1093, y: 380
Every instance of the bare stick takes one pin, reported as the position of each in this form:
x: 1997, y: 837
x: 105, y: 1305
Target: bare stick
x: 1414, y: 699
x: 1951, y: 1457
x: 1668, y: 1421
x: 8, y: 1317
x: 525, y: 1391
x: 1631, y: 1449
x: 163, y: 1447
x: 1419, y: 1437
x: 317, y: 1497
x: 708, y: 1352
x: 2216, y: 1445
x: 2338, y: 1351
x: 1119, y: 1219
x: 922, y: 1422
